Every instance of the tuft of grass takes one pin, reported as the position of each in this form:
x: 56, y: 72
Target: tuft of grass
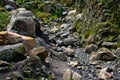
x: 4, y: 19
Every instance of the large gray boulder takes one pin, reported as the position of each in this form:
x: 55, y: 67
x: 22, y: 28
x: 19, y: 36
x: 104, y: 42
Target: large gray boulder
x: 23, y: 22
x: 12, y: 52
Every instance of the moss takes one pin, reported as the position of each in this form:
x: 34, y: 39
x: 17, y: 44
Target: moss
x: 21, y: 49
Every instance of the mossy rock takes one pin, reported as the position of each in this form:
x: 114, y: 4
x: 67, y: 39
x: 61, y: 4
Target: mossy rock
x: 12, y: 52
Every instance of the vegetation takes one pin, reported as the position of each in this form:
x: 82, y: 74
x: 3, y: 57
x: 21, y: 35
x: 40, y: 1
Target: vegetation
x: 100, y: 18
x: 4, y: 18
x: 38, y: 6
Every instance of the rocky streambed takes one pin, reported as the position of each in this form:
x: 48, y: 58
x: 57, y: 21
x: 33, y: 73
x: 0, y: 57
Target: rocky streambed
x: 90, y: 63
x: 53, y: 51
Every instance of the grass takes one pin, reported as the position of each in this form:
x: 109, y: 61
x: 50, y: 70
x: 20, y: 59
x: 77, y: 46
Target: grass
x: 4, y: 18
x: 44, y: 15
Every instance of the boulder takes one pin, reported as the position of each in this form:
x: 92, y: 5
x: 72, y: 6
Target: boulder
x: 40, y: 42
x: 8, y: 38
x: 76, y: 76
x: 12, y: 52
x: 67, y: 74
x: 69, y: 52
x: 103, y: 54
x: 105, y: 74
x: 39, y: 51
x: 29, y: 67
x: 8, y: 7
x: 24, y: 22
x: 12, y: 3
x: 71, y: 75
x: 4, y: 63
x: 91, y: 48
x: 109, y: 44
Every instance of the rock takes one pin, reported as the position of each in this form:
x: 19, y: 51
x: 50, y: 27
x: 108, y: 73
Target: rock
x: 59, y: 42
x: 29, y: 67
x: 22, y: 25
x: 69, y: 19
x: 16, y: 76
x: 103, y: 54
x: 65, y: 34
x: 59, y: 55
x: 12, y: 3
x: 79, y: 16
x: 72, y: 12
x: 7, y: 38
x: 29, y: 43
x: 91, y: 39
x: 98, y: 67
x: 69, y: 52
x: 4, y: 69
x: 73, y: 63
x: 91, y: 48
x: 64, y: 13
x: 52, y: 39
x: 54, y: 29
x: 39, y: 51
x: 80, y: 67
x: 104, y: 74
x: 76, y: 76
x: 12, y: 52
x: 109, y: 44
x: 25, y: 23
x: 8, y: 7
x: 69, y: 74
x: 117, y: 52
x: 40, y: 42
x: 65, y: 25
x: 68, y: 42
x: 24, y: 13
x: 4, y: 63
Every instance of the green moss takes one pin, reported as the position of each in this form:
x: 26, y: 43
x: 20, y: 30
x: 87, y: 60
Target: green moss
x: 21, y: 49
